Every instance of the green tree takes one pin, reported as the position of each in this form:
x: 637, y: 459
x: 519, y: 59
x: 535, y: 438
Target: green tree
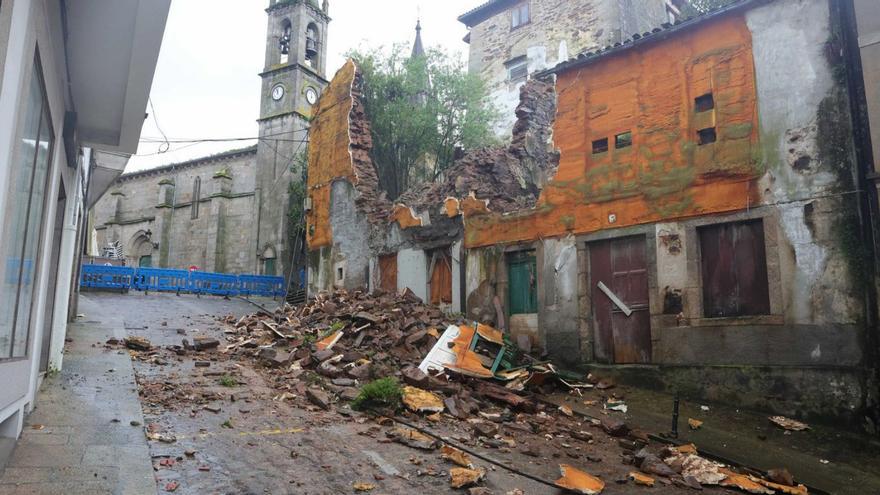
x: 421, y: 110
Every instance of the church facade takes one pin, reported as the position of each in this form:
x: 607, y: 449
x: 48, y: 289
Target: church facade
x: 230, y: 212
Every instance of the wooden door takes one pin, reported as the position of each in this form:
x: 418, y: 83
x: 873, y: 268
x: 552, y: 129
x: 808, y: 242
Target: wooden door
x: 621, y: 265
x: 522, y: 293
x: 388, y: 273
x: 441, y: 278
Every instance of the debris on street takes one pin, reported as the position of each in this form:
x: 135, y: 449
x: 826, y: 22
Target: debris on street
x: 357, y: 355
x: 578, y: 481
x: 788, y: 424
x: 461, y: 477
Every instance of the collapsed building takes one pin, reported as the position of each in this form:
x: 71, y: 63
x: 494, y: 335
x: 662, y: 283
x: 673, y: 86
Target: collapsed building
x: 682, y: 203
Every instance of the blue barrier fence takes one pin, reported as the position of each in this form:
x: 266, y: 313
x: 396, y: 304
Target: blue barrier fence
x: 168, y: 280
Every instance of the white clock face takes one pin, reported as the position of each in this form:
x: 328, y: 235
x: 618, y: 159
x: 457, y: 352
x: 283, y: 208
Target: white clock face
x: 311, y: 96
x: 277, y: 92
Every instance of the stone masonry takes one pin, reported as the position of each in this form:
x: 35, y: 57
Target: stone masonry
x: 557, y: 30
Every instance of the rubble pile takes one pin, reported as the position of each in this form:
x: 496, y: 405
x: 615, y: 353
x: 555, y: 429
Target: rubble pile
x: 340, y: 335
x: 430, y: 377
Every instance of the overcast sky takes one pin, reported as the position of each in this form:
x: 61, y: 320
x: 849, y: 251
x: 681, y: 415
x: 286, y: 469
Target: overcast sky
x: 206, y: 84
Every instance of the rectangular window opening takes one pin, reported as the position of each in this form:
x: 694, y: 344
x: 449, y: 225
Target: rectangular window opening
x: 623, y: 140
x: 600, y: 146
x: 519, y: 15
x: 517, y: 69
x: 704, y: 102
x: 706, y: 136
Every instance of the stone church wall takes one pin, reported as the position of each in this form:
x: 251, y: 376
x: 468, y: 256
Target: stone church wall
x: 151, y: 214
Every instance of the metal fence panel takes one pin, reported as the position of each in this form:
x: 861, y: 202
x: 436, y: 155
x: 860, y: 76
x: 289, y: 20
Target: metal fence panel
x: 170, y: 280
x: 160, y: 279
x: 106, y: 277
x: 220, y: 284
x: 261, y: 285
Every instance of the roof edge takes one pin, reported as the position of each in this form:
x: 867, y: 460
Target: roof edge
x: 189, y: 163
x: 482, y: 12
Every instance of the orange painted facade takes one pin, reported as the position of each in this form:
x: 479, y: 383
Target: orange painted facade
x: 404, y: 217
x: 329, y: 153
x: 644, y: 102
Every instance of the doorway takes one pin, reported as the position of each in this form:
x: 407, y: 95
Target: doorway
x: 619, y: 287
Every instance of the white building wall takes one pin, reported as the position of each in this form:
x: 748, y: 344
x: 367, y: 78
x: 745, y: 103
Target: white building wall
x: 33, y: 25
x: 412, y: 272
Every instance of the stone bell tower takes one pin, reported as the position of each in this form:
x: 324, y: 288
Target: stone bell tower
x: 293, y: 78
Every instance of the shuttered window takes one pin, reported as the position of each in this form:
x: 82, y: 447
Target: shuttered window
x: 734, y: 269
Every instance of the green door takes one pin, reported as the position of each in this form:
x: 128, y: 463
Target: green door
x: 145, y: 261
x: 269, y: 266
x: 522, y: 283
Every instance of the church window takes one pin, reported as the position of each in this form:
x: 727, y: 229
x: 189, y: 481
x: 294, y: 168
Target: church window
x: 312, y: 44
x: 284, y: 42
x: 197, y: 190
x: 519, y: 15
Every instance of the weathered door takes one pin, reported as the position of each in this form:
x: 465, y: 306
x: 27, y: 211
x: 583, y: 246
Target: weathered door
x: 441, y: 278
x: 621, y: 265
x: 734, y: 268
x: 522, y: 288
x: 388, y: 272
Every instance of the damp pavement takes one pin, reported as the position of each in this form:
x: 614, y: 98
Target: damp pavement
x: 80, y: 438
x: 826, y: 458
x: 218, y: 425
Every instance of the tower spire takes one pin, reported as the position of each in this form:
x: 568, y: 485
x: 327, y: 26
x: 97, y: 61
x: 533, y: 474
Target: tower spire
x: 418, y: 50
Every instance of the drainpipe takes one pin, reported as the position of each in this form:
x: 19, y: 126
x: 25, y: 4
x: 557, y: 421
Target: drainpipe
x: 869, y: 208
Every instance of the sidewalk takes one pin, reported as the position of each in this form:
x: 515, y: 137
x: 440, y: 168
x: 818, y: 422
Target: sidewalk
x: 748, y: 438
x: 85, y: 435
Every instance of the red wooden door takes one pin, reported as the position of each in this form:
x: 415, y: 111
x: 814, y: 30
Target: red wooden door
x: 621, y: 265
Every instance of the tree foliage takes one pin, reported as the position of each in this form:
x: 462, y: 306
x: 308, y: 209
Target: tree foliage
x: 421, y: 110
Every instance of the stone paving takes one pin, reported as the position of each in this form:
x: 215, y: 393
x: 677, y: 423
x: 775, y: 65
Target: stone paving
x: 86, y: 435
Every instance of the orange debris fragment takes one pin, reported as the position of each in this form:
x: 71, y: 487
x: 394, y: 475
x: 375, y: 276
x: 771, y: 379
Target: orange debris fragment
x: 641, y: 479
x: 578, y: 481
x: 788, y: 490
x: 418, y: 400
x: 456, y: 456
x: 461, y: 477
x: 743, y: 482
x: 329, y: 341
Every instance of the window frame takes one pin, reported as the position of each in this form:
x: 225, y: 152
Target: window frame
x: 196, y: 197
x: 44, y: 111
x: 762, y: 265
x: 516, y: 12
x: 516, y: 63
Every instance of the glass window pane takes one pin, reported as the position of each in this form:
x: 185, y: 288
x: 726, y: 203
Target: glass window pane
x: 16, y: 211
x: 33, y: 237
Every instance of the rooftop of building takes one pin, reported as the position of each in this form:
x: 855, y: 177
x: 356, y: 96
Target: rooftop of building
x: 225, y: 155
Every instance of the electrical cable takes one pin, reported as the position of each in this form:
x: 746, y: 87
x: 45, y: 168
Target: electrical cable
x: 156, y: 121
